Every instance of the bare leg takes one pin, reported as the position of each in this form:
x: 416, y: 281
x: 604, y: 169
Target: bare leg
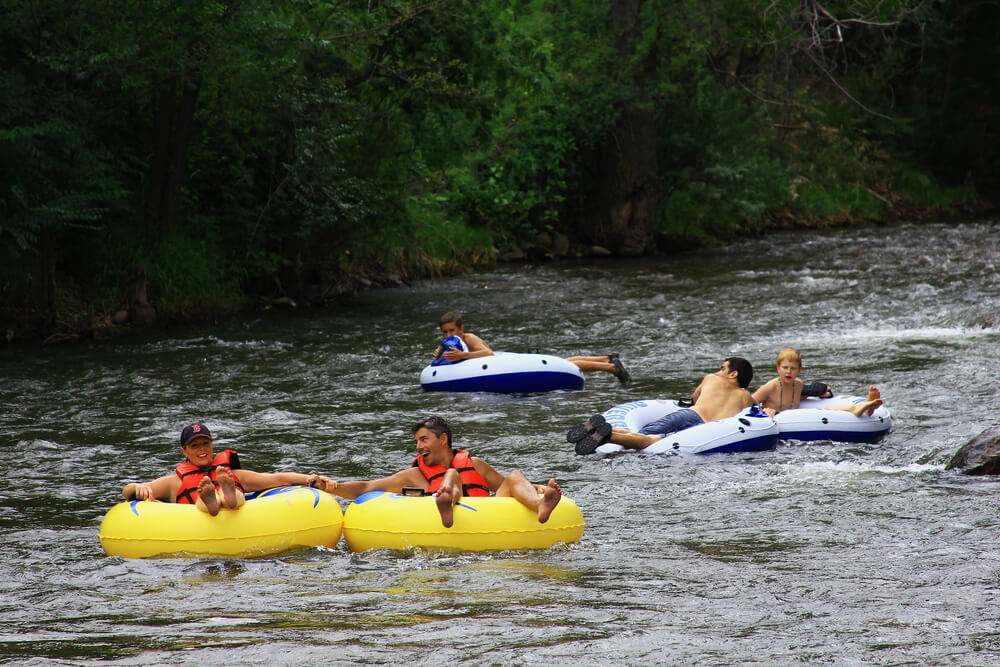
x: 591, y: 364
x: 630, y: 440
x: 517, y: 486
x: 609, y: 363
x: 865, y: 407
x: 447, y: 495
x: 232, y: 498
x: 208, y: 501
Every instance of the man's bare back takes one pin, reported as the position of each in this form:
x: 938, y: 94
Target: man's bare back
x: 720, y: 395
x: 717, y: 398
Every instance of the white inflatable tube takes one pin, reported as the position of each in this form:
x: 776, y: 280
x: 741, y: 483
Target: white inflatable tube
x: 504, y: 373
x: 810, y: 421
x: 746, y: 432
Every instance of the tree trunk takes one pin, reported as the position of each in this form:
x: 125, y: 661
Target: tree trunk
x: 623, y: 198
x: 139, y: 308
x: 172, y: 127
x: 160, y: 160
x: 47, y: 308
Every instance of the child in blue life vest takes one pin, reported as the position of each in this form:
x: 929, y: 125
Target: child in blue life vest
x: 475, y: 347
x: 213, y: 481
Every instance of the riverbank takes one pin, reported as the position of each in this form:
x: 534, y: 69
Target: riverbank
x: 102, y: 317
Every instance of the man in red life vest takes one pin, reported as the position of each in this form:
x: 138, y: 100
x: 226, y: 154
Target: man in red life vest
x: 449, y: 474
x: 212, y: 482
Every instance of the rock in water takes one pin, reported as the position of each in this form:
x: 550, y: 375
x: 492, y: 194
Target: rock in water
x: 979, y: 456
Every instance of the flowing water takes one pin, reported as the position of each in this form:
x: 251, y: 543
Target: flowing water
x: 811, y: 553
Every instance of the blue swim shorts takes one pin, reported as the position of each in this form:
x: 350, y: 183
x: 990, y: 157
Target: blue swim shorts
x: 675, y: 421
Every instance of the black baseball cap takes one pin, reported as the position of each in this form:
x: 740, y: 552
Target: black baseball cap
x: 194, y: 431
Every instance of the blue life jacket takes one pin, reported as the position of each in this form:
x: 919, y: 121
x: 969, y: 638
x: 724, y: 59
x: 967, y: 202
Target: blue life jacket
x: 450, y: 343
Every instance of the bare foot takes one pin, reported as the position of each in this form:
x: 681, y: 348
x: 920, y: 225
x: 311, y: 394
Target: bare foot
x: 207, y: 495
x: 866, y: 407
x: 874, y: 393
x: 875, y: 405
x: 446, y: 506
x: 228, y: 486
x: 550, y: 498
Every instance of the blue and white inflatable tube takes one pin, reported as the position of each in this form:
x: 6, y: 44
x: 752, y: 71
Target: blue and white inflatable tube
x: 810, y: 421
x: 504, y: 373
x: 749, y: 431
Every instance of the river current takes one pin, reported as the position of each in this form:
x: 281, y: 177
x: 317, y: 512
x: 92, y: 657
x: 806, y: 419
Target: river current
x: 812, y: 553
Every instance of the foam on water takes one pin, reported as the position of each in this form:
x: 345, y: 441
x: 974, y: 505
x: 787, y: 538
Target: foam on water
x: 811, y: 553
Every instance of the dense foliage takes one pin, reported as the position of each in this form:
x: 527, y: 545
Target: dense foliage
x: 189, y: 153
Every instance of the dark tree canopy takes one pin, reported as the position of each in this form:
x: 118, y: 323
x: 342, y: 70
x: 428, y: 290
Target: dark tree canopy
x: 203, y: 154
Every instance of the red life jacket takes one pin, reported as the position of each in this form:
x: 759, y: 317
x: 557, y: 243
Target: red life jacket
x: 473, y: 484
x: 191, y: 475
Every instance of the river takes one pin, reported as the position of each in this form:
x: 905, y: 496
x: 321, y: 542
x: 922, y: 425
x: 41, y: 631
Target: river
x: 811, y: 553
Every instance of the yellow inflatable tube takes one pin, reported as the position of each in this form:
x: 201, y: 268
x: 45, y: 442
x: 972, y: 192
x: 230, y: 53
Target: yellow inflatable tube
x: 276, y: 520
x: 380, y: 520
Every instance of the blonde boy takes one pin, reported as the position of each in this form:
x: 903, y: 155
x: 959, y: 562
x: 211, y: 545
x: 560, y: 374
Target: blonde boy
x: 785, y: 391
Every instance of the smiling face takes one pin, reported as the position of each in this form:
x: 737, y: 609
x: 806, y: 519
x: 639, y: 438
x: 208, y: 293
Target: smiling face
x: 436, y: 449
x: 198, y: 451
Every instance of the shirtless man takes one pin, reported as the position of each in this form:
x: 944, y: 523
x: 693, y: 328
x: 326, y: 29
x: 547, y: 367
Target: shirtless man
x: 721, y: 394
x: 449, y: 474
x: 451, y: 325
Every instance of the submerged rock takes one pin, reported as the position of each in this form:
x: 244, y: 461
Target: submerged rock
x: 979, y: 456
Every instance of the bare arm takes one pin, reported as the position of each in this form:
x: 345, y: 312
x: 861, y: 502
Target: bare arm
x: 492, y: 477
x: 258, y: 481
x: 393, y: 483
x: 477, y: 348
x: 163, y: 487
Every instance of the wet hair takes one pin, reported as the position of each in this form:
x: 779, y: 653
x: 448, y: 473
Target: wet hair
x: 744, y: 370
x: 449, y: 317
x: 436, y: 424
x: 790, y: 354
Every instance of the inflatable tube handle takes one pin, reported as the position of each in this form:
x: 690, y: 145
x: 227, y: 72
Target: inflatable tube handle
x: 817, y: 389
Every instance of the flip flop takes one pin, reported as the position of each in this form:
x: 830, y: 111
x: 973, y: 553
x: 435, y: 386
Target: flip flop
x: 587, y: 445
x: 620, y: 372
x: 596, y: 424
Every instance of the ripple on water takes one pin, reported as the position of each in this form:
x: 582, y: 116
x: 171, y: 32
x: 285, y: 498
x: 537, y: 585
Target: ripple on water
x: 813, y: 552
